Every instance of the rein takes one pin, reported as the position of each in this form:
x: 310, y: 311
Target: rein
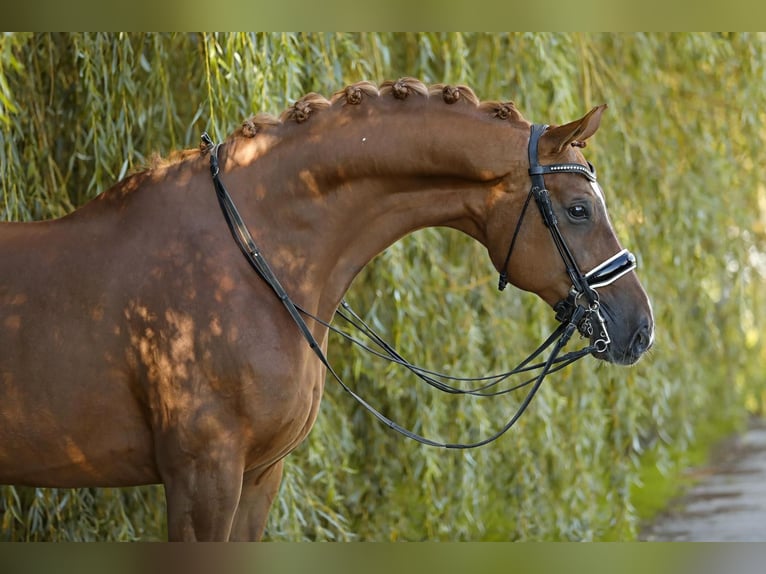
x: 570, y: 311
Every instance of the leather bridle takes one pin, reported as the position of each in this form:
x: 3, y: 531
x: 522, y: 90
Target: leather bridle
x: 576, y: 312
x: 583, y: 296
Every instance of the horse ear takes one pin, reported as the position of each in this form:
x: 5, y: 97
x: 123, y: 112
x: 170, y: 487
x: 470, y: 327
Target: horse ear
x: 558, y: 137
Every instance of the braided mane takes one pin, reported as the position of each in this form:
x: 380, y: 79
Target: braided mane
x: 356, y: 94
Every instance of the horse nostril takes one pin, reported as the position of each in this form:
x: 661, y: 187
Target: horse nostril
x: 642, y: 340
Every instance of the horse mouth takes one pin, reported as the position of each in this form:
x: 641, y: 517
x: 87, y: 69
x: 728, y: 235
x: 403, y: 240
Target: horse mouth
x: 624, y: 358
x: 626, y: 350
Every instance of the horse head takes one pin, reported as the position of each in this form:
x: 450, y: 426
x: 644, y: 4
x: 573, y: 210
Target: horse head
x: 569, y: 254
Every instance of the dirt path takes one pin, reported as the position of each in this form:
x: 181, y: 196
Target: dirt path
x: 728, y: 504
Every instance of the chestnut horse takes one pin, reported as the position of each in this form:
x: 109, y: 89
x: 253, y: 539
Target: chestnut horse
x: 137, y: 345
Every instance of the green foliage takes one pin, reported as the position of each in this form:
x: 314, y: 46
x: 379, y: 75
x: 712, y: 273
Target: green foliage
x: 678, y: 153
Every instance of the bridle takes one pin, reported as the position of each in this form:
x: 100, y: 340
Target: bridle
x: 582, y: 302
x: 576, y: 312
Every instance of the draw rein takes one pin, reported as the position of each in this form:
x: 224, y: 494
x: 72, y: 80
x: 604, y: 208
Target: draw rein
x: 571, y: 312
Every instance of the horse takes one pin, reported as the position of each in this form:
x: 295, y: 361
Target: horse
x: 137, y: 345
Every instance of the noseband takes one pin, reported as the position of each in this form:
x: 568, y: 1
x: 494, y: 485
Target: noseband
x: 582, y: 302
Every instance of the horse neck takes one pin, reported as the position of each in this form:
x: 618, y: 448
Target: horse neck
x: 327, y: 196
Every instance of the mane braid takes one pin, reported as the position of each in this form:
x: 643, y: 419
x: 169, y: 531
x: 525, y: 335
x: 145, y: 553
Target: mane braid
x: 452, y: 94
x: 355, y: 93
x: 257, y: 123
x: 501, y: 110
x: 301, y: 110
x: 403, y: 87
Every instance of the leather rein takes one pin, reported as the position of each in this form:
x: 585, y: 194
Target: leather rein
x: 579, y: 311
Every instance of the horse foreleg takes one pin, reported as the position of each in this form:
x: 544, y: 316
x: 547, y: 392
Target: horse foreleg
x: 258, y: 492
x: 202, y: 499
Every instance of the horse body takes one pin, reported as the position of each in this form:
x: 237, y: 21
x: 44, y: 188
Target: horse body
x: 61, y: 388
x: 138, y: 346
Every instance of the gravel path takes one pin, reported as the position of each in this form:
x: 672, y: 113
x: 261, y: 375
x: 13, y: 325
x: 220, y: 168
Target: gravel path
x: 728, y: 504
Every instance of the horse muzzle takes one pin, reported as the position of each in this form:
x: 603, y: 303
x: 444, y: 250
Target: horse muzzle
x: 629, y: 349
x: 593, y: 319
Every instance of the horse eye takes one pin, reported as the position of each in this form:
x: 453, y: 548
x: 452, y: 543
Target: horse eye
x: 578, y: 212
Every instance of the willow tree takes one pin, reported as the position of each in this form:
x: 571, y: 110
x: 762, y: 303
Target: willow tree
x: 678, y: 153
